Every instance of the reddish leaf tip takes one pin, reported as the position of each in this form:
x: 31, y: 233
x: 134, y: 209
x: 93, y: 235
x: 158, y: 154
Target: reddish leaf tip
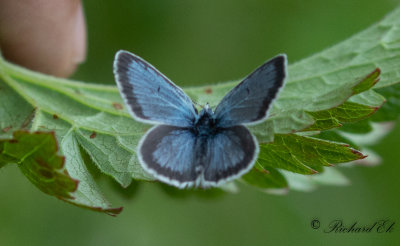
x: 374, y: 73
x: 114, y: 211
x: 76, y: 185
x: 360, y: 155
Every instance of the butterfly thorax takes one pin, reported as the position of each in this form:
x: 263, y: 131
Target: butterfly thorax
x: 205, y: 125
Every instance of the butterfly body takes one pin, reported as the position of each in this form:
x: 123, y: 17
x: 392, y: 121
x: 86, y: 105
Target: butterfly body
x: 187, y: 148
x: 205, y: 124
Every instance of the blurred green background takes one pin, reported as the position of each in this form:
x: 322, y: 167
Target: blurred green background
x: 200, y: 42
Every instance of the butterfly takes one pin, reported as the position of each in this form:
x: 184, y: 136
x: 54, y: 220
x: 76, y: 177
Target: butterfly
x: 187, y: 148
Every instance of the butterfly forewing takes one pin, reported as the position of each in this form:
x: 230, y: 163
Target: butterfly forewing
x: 249, y: 101
x: 149, y: 95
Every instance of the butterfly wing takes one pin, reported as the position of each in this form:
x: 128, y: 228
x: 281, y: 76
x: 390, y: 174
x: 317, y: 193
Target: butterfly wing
x: 150, y: 96
x: 167, y: 152
x: 178, y: 157
x: 250, y: 100
x: 230, y: 154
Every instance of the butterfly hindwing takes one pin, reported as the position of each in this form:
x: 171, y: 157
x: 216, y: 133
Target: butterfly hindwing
x: 167, y: 153
x: 179, y: 157
x: 150, y: 96
x: 231, y: 153
x: 250, y: 100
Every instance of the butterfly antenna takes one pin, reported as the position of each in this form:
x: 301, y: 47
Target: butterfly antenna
x: 198, y: 104
x: 204, y: 106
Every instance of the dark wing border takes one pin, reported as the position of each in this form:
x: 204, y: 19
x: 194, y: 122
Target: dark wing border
x: 281, y: 61
x: 174, y: 178
x: 121, y: 64
x: 245, y: 165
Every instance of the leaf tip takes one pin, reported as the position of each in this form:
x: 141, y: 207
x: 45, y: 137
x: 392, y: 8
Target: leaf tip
x: 358, y: 153
x: 367, y: 82
x: 109, y: 211
x: 374, y: 75
x: 113, y: 211
x: 76, y: 181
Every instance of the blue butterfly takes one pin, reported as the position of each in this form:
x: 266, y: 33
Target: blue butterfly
x: 187, y: 148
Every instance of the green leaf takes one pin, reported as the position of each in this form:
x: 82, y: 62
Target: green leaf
x: 39, y: 162
x: 368, y: 82
x: 361, y: 127
x: 336, y: 137
x: 93, y: 117
x: 37, y: 158
x: 304, y: 155
x: 355, y: 109
x: 348, y: 112
x: 376, y: 47
x: 109, y: 137
x: 15, y: 112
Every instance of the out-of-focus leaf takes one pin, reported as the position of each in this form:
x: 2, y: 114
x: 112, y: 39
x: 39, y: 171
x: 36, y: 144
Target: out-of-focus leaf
x: 391, y: 109
x: 265, y: 179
